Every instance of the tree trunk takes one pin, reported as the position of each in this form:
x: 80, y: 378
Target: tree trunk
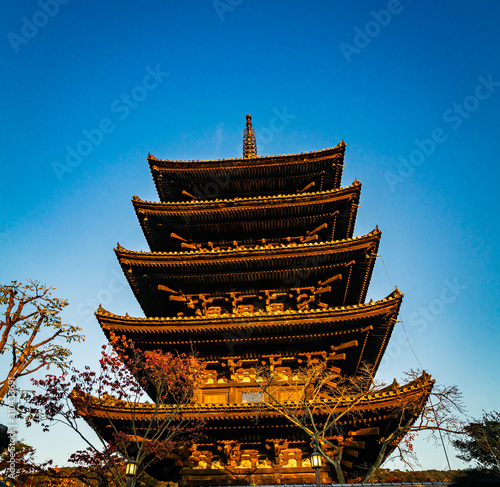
x: 335, y: 463
x: 4, y: 390
x: 376, y: 464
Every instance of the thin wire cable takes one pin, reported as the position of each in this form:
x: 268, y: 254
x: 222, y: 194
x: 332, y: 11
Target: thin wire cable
x: 379, y: 254
x: 411, y: 348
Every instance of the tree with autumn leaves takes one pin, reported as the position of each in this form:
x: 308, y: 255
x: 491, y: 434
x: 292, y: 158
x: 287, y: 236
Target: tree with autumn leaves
x: 31, y: 330
x: 124, y: 373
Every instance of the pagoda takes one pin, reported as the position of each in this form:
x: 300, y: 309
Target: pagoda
x: 253, y: 261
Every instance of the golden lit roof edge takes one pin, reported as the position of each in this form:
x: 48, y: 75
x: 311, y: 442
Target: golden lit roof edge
x: 254, y: 250
x: 242, y: 160
x: 424, y: 383
x: 394, y: 296
x: 251, y: 199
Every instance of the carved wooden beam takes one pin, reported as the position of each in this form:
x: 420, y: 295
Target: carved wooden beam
x: 161, y: 287
x: 351, y: 452
x: 310, y: 185
x: 337, y: 277
x: 184, y: 192
x: 318, y: 229
x: 310, y: 238
x: 337, y: 356
x: 365, y: 432
x: 180, y: 298
x: 342, y: 346
x: 354, y: 444
x: 322, y: 290
x: 178, y: 237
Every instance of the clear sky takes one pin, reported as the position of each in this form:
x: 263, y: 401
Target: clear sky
x: 88, y: 88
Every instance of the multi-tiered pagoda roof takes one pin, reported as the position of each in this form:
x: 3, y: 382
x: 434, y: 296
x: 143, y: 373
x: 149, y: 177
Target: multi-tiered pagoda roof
x: 247, y: 177
x: 253, y: 260
x: 301, y: 217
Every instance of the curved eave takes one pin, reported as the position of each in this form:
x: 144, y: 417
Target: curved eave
x: 268, y: 200
x: 233, y: 177
x: 370, y: 325
x: 215, y: 164
x: 234, y: 270
x: 417, y: 391
x: 249, y: 218
x: 205, y: 324
x: 233, y: 256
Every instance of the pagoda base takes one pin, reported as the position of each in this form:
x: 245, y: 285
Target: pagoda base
x: 252, y: 476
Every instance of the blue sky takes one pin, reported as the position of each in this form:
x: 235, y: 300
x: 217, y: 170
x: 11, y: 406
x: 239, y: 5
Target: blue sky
x: 89, y: 88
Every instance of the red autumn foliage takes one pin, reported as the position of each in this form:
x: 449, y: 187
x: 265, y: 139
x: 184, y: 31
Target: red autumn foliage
x: 123, y: 376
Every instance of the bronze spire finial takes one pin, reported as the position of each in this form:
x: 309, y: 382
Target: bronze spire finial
x: 249, y: 143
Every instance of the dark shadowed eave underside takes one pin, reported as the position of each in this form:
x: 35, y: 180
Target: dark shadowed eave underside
x: 231, y: 178
x: 369, y: 325
x: 249, y: 219
x: 278, y: 267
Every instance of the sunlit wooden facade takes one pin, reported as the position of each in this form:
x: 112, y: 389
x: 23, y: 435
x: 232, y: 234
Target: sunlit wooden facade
x: 253, y: 262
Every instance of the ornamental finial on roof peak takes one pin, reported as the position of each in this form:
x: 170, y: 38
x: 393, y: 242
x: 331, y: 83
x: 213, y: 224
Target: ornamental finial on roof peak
x: 249, y: 143
x: 397, y: 293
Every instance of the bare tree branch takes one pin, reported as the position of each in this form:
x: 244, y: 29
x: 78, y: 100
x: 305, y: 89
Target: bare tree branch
x: 317, y: 400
